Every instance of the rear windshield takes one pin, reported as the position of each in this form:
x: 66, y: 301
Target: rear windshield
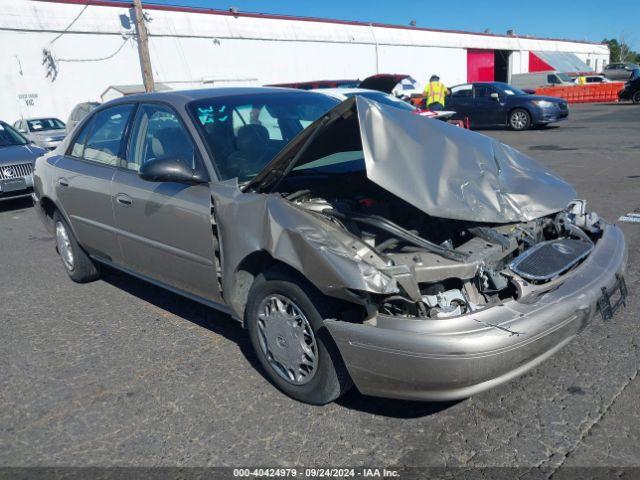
x: 8, y: 136
x: 245, y: 132
x: 45, y: 124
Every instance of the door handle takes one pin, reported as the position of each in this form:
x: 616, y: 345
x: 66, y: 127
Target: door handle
x: 63, y: 182
x: 124, y: 200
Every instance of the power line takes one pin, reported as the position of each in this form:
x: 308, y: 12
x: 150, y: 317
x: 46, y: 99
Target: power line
x: 70, y: 25
x: 94, y: 59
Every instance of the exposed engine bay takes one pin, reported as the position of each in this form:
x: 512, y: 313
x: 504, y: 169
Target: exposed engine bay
x: 443, y: 267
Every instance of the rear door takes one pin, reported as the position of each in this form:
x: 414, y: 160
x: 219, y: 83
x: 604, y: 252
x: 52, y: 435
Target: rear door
x: 488, y: 110
x: 164, y: 228
x: 461, y: 101
x: 84, y: 175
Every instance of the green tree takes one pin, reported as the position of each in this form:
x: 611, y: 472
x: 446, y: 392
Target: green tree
x: 620, y: 51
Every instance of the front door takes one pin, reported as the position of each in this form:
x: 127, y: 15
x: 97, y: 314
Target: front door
x: 164, y: 228
x: 83, y: 183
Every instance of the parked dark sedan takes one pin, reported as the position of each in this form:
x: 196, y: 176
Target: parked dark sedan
x: 17, y: 156
x: 631, y: 91
x: 498, y: 104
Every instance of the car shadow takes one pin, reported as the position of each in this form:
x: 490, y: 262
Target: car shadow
x: 222, y: 324
x: 16, y: 204
x: 388, y: 407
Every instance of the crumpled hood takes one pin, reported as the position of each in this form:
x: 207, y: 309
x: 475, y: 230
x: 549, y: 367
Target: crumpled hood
x: 451, y: 172
x: 443, y: 170
x: 15, y: 154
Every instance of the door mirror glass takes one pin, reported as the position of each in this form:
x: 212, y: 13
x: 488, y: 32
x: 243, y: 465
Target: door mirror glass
x: 495, y: 96
x: 168, y: 170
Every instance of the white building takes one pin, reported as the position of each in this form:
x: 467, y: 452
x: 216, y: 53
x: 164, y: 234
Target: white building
x: 57, y: 53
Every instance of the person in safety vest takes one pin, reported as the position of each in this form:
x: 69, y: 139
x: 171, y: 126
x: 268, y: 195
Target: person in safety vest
x: 582, y: 80
x: 435, y: 93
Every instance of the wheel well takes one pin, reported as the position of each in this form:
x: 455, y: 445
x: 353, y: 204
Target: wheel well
x: 260, y: 262
x: 49, y: 208
x: 244, y: 276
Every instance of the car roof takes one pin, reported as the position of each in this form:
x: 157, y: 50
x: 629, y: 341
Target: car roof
x: 180, y: 97
x: 343, y: 92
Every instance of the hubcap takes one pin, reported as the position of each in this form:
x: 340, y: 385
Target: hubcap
x: 518, y: 120
x: 64, y: 246
x: 287, y: 339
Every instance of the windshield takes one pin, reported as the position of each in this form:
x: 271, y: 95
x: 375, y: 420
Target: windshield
x: 383, y: 98
x: 564, y: 77
x: 44, y: 124
x: 245, y: 132
x: 8, y: 136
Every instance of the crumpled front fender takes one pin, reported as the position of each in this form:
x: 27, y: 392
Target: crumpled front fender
x: 327, y: 256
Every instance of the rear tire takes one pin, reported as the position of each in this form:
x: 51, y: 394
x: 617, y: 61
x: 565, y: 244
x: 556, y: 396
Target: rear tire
x: 519, y: 119
x: 76, y: 262
x: 635, y: 98
x: 284, y: 317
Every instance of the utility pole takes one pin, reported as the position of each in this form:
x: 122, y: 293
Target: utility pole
x: 143, y: 47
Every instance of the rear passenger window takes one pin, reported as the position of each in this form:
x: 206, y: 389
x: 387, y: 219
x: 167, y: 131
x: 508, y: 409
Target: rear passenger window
x: 101, y: 139
x: 462, y: 91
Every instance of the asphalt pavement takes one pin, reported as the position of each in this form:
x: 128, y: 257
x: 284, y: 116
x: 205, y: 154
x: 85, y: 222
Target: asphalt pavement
x: 119, y: 372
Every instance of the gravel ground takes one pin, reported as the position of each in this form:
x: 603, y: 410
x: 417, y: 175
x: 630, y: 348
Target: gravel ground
x: 119, y: 372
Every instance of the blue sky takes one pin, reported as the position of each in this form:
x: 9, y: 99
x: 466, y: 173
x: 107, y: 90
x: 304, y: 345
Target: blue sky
x: 590, y: 20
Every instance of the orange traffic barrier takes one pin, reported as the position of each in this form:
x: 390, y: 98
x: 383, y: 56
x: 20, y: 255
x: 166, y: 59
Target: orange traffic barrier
x: 594, y: 93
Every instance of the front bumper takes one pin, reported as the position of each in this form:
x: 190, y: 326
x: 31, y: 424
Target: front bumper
x: 454, y: 358
x: 13, y: 194
x: 550, y: 115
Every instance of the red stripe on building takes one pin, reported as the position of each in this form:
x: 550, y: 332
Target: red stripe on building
x: 536, y: 64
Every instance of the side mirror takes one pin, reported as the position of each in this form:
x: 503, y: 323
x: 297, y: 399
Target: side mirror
x: 495, y: 96
x: 169, y: 170
x: 23, y: 130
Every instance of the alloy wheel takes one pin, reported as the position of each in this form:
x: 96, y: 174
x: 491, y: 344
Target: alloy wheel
x: 519, y: 120
x: 287, y: 339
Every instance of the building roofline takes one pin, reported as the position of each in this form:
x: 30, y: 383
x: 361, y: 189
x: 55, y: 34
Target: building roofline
x: 272, y: 16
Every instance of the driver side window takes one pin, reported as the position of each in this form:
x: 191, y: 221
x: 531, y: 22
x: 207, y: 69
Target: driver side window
x: 483, y: 91
x: 158, y: 134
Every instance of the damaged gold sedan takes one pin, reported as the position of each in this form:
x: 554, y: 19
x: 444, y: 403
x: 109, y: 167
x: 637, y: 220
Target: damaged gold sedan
x: 358, y: 243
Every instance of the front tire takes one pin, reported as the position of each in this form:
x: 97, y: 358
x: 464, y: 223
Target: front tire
x: 519, y: 119
x: 284, y: 317
x: 635, y: 98
x: 76, y: 262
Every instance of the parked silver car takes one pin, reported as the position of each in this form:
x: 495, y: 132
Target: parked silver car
x: 17, y: 157
x: 619, y: 71
x: 80, y: 111
x: 355, y: 241
x: 45, y: 132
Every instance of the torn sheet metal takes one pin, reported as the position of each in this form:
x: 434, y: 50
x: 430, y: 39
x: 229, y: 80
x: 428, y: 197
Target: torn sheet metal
x: 330, y: 258
x: 450, y: 172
